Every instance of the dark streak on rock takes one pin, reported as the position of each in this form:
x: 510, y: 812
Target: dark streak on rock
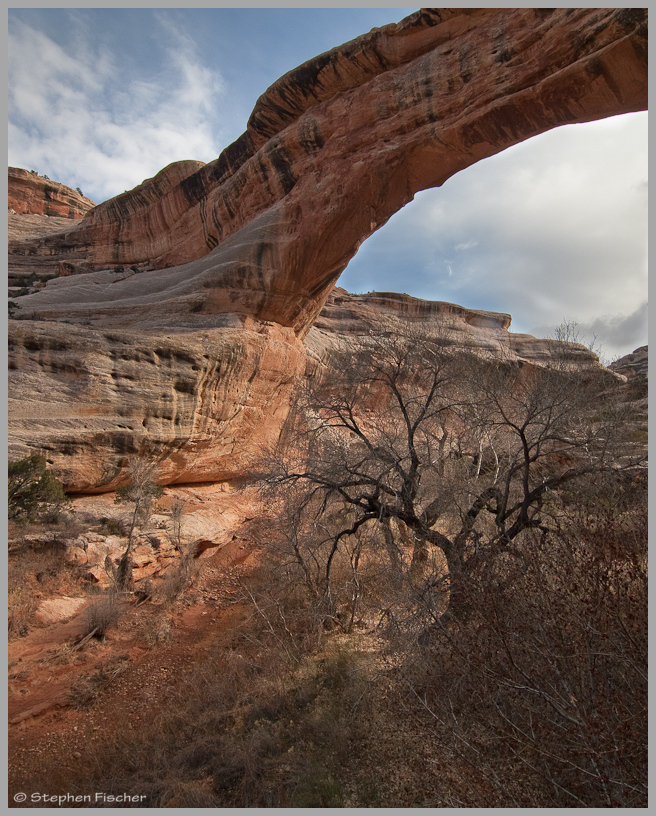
x: 631, y: 18
x: 310, y: 135
x: 283, y: 166
x: 503, y: 55
x: 465, y: 66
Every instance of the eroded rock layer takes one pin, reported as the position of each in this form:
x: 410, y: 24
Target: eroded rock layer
x: 338, y: 145
x: 200, y: 404
x: 634, y: 365
x: 345, y: 318
x: 29, y: 193
x: 204, y: 404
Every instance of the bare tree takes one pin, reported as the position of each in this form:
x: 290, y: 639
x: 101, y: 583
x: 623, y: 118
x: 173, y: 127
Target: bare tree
x: 464, y: 454
x: 141, y: 490
x: 177, y: 511
x: 545, y: 698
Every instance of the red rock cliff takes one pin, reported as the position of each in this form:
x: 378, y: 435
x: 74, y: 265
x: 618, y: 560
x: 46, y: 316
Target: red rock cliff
x: 339, y: 144
x: 197, y: 364
x: 29, y: 193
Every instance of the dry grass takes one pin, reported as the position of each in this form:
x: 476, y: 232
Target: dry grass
x: 243, y: 728
x: 87, y: 689
x: 37, y: 571
x: 543, y: 693
x: 155, y: 630
x: 537, y: 700
x: 103, y: 614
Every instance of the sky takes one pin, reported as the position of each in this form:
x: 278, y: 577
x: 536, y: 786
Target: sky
x: 552, y: 229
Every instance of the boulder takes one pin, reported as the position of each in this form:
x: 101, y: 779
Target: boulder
x: 56, y: 610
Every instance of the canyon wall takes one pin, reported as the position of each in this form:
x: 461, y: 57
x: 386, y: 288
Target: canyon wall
x: 184, y: 337
x: 29, y: 193
x: 204, y: 404
x: 200, y: 404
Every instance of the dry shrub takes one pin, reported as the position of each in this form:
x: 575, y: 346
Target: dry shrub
x: 103, y: 614
x: 543, y: 693
x: 86, y: 689
x: 242, y: 729
x: 180, y: 577
x: 21, y: 608
x: 36, y: 570
x: 308, y: 587
x: 156, y: 630
x: 110, y: 526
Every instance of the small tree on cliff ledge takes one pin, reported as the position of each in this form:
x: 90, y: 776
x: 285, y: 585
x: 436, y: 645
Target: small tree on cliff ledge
x: 141, y: 490
x: 462, y: 454
x: 34, y: 494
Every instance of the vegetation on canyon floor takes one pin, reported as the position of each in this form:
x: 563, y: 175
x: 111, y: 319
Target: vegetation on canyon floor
x: 450, y: 607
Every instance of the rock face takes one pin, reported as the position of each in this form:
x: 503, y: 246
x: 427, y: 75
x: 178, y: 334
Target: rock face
x: 32, y: 194
x: 38, y: 207
x: 632, y: 365
x: 345, y: 317
x: 26, y: 270
x: 54, y: 610
x: 200, y: 404
x: 185, y: 342
x: 338, y: 145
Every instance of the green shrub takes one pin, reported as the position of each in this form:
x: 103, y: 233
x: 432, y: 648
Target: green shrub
x: 34, y: 493
x: 113, y: 527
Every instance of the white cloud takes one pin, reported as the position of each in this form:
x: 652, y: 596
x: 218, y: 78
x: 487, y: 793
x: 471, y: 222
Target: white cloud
x: 466, y: 245
x: 553, y: 227
x: 611, y: 335
x: 87, y: 122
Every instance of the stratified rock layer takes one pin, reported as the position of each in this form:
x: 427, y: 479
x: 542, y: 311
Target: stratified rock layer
x: 199, y: 404
x: 632, y: 365
x: 31, y: 194
x: 346, y: 318
x: 204, y: 404
x: 338, y: 145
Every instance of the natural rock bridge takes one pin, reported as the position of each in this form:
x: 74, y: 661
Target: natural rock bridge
x: 194, y: 354
x: 338, y: 145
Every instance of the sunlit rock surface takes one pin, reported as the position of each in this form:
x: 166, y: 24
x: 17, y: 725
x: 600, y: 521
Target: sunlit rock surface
x: 199, y: 404
x: 185, y: 342
x: 339, y: 144
x: 346, y: 318
x: 29, y: 193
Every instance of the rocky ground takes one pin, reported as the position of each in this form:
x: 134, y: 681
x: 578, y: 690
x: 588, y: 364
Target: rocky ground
x: 68, y: 702
x: 66, y: 690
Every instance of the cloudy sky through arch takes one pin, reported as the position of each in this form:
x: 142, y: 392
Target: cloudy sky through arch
x: 551, y: 229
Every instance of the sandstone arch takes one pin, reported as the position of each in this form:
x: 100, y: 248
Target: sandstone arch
x: 334, y: 148
x: 195, y: 361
